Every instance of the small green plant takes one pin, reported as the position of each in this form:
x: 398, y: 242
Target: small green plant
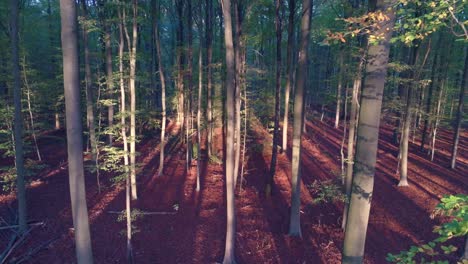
x: 326, y: 191
x: 214, y: 159
x: 456, y: 208
x: 135, y: 214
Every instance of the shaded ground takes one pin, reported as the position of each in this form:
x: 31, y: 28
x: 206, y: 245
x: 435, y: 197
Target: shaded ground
x: 195, y: 233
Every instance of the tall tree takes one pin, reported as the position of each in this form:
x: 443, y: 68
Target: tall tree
x: 294, y: 222
x: 368, y: 134
x: 18, y: 123
x: 289, y: 70
x: 88, y: 84
x: 71, y: 82
x: 274, y: 154
x: 162, y: 78
x: 209, y: 79
x: 123, y: 124
x: 229, y: 257
x: 459, y: 119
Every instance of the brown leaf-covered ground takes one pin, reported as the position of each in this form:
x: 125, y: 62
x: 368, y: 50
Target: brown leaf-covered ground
x: 195, y: 233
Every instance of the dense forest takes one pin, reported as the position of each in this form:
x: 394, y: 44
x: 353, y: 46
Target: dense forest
x: 233, y: 131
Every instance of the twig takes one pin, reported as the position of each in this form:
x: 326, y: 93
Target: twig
x: 145, y: 213
x: 15, y: 226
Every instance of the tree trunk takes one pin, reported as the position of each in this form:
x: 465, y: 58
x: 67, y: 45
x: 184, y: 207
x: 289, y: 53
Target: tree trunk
x: 200, y: 87
x: 18, y: 123
x: 274, y: 153
x: 109, y: 78
x: 350, y: 148
x: 163, y: 101
x: 295, y: 221
x: 367, y: 140
x: 132, y: 75
x: 209, y: 57
x: 290, y: 72
x: 457, y: 127
x: 338, y: 90
x: 89, y: 87
x: 180, y: 62
x: 229, y: 256
x: 404, y: 148
x: 74, y: 131
x: 188, y: 112
x: 123, y: 114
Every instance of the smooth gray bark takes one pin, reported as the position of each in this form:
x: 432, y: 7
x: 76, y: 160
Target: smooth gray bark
x: 71, y: 82
x: 294, y: 222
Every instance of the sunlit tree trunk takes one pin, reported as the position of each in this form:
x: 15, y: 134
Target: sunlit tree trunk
x: 459, y: 119
x: 404, y: 148
x: 338, y: 89
x: 123, y: 114
x: 74, y: 131
x: 229, y: 256
x: 350, y: 149
x: 289, y: 71
x: 199, y: 99
x: 132, y: 46
x: 294, y: 222
x: 274, y: 154
x: 109, y: 78
x: 18, y: 123
x: 188, y: 110
x: 368, y: 134
x: 180, y: 62
x: 163, y: 100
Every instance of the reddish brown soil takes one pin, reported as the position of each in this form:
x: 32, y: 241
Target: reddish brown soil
x: 196, y: 232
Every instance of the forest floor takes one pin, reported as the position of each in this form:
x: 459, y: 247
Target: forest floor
x: 193, y: 231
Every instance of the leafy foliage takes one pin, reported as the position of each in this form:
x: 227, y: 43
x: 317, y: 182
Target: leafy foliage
x: 456, y: 208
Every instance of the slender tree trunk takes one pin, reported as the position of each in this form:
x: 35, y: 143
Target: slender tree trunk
x: 367, y: 140
x: 437, y: 120
x: 163, y: 101
x: 180, y: 62
x: 229, y: 256
x: 31, y: 117
x: 74, y: 131
x: 457, y: 127
x: 294, y: 222
x: 290, y: 72
x: 125, y: 143
x: 274, y: 153
x: 209, y: 57
x: 18, y: 123
x: 109, y: 78
x: 338, y: 90
x: 404, y: 148
x: 188, y: 112
x: 89, y: 87
x: 200, y: 87
x: 132, y: 46
x: 350, y: 148
x: 427, y: 110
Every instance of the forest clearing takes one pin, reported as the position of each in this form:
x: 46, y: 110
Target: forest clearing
x: 232, y: 131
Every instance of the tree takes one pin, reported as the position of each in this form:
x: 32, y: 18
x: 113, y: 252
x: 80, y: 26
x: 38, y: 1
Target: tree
x: 209, y: 79
x: 459, y: 119
x: 289, y: 70
x: 368, y: 134
x: 74, y: 131
x: 163, y: 100
x: 294, y: 222
x: 229, y: 256
x: 274, y: 152
x: 18, y: 123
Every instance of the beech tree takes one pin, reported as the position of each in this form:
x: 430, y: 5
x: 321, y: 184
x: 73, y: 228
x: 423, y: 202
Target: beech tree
x: 294, y: 222
x: 71, y: 82
x: 368, y: 134
x: 229, y: 256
